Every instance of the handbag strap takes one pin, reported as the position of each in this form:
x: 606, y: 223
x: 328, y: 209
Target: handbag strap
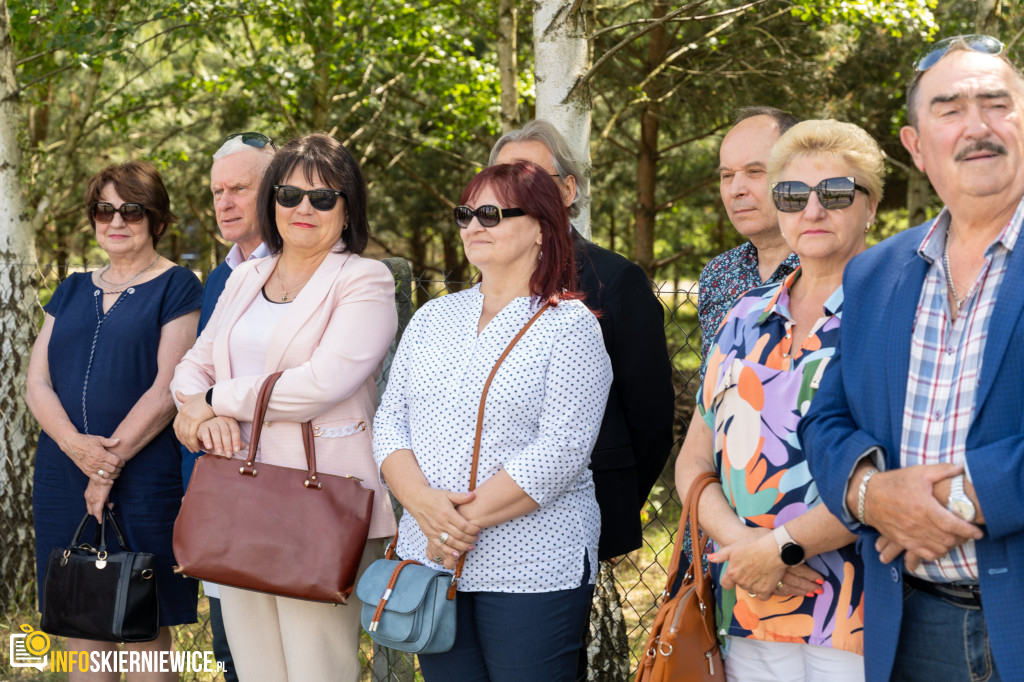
x: 258, y: 420
x: 699, y: 538
x: 387, y: 592
x: 390, y: 554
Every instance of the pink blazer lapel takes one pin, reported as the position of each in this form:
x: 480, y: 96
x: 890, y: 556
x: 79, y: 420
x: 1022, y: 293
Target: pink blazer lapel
x: 247, y: 292
x: 308, y: 303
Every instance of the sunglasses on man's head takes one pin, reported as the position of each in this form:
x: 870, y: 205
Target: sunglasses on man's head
x: 103, y: 212
x: 258, y: 140
x: 976, y: 43
x: 791, y: 196
x: 487, y: 215
x: 320, y: 199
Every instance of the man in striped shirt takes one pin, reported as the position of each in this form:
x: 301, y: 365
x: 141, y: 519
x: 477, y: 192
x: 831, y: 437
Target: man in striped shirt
x: 916, y: 437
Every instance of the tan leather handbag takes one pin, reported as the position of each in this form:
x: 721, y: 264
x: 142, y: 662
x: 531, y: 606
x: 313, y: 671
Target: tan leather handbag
x: 682, y: 646
x: 290, y: 532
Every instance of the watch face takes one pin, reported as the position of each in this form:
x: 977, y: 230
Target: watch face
x: 962, y: 507
x: 792, y: 554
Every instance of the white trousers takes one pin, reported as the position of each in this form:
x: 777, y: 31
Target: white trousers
x: 278, y: 639
x: 751, y: 660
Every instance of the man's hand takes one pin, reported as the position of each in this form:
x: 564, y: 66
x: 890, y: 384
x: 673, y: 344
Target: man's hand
x: 900, y: 505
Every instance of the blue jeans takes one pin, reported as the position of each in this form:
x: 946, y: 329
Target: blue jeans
x: 512, y: 637
x: 942, y: 641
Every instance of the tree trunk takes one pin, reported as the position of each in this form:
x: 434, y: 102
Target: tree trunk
x: 647, y: 159
x: 986, y: 16
x: 17, y: 330
x: 562, y: 57
x: 918, y: 192
x: 508, y: 65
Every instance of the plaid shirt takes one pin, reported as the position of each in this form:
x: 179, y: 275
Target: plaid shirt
x: 945, y: 365
x: 724, y: 279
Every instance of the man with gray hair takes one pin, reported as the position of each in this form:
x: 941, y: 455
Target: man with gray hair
x: 238, y: 167
x: 636, y: 434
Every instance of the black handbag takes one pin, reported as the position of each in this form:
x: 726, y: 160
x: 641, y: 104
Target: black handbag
x: 89, y: 593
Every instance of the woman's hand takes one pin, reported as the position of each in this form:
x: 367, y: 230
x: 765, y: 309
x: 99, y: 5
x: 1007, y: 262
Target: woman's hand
x: 756, y: 568
x: 192, y: 414
x: 220, y: 436
x: 96, y: 495
x: 90, y: 455
x: 436, y: 513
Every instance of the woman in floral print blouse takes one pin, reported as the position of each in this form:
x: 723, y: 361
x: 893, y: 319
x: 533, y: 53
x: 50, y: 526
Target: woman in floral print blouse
x: 788, y: 579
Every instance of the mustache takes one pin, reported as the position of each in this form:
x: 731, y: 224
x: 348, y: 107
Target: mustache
x: 980, y: 146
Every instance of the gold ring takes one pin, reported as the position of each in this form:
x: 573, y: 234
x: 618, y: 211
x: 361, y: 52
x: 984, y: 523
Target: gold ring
x: 780, y: 585
x: 444, y: 538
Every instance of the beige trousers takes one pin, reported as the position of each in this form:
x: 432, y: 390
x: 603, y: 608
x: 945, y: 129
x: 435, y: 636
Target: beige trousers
x: 278, y: 639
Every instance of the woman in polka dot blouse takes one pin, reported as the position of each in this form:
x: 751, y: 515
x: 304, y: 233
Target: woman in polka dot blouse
x: 531, y: 527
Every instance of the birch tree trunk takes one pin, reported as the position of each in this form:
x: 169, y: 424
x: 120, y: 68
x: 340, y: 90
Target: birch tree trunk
x: 562, y: 57
x: 17, y: 330
x: 508, y: 64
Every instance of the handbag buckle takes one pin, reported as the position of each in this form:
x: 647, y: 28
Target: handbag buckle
x: 662, y: 649
x: 101, y: 560
x: 313, y: 484
x: 251, y: 472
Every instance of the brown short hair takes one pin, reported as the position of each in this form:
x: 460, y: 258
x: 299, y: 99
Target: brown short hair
x: 316, y: 154
x: 139, y: 182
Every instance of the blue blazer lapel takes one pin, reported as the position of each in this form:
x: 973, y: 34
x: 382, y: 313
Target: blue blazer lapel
x: 1008, y: 306
x: 907, y: 280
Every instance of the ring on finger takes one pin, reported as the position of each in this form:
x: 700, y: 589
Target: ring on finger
x: 780, y: 585
x: 438, y: 559
x: 101, y: 473
x: 444, y: 538
x: 752, y: 595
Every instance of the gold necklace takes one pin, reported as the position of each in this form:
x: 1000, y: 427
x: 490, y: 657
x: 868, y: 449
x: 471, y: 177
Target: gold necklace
x: 284, y: 296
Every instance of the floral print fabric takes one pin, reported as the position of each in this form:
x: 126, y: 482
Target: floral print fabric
x: 754, y: 394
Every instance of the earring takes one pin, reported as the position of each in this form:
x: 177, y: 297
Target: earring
x: 540, y: 254
x: 868, y: 228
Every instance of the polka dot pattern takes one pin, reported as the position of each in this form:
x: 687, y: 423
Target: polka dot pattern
x: 541, y: 421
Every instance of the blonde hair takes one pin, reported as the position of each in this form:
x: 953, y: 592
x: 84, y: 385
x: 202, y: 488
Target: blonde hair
x: 843, y: 141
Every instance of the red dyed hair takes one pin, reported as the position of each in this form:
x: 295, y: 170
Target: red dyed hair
x: 527, y: 186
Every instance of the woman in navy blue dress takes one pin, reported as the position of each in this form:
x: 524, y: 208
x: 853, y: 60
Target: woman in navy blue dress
x: 98, y: 385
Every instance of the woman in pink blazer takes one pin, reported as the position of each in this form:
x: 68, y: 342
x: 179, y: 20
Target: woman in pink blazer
x: 325, y: 316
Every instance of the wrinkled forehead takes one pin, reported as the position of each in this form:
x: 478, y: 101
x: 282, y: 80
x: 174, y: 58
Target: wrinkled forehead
x: 966, y: 75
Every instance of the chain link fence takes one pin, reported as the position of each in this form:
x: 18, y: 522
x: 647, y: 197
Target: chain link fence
x: 626, y: 592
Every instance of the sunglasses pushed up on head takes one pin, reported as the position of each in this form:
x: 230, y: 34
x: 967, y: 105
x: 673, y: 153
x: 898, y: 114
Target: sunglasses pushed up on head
x: 103, y: 211
x: 253, y: 139
x: 791, y: 196
x: 321, y: 199
x: 487, y: 215
x: 976, y: 43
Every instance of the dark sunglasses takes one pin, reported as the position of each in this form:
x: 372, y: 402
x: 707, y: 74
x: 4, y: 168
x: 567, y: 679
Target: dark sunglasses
x: 258, y: 140
x: 488, y: 215
x: 320, y: 199
x: 103, y: 212
x: 790, y: 196
x: 977, y: 43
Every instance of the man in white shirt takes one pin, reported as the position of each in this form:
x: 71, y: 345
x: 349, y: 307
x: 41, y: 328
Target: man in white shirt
x: 238, y: 167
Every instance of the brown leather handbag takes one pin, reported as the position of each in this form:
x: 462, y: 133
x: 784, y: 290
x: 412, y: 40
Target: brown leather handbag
x: 273, y: 529
x: 682, y: 646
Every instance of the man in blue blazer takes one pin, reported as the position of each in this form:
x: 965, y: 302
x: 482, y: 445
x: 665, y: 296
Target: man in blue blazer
x: 234, y: 182
x: 916, y: 436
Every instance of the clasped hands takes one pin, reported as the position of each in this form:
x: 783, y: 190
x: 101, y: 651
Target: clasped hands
x: 436, y: 512
x: 199, y: 429
x: 901, y: 505
x: 756, y: 567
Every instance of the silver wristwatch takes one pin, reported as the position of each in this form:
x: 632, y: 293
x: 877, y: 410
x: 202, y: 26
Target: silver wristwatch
x: 958, y: 502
